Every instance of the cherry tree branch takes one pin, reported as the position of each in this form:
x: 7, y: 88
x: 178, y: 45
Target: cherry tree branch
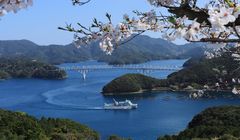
x: 131, y: 38
x: 235, y: 30
x: 217, y: 40
x: 79, y: 2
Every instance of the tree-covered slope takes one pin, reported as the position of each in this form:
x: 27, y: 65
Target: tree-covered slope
x: 130, y: 83
x: 54, y: 54
x: 139, y: 50
x: 23, y: 68
x: 20, y: 126
x: 114, y: 137
x: 221, y: 123
x: 202, y: 72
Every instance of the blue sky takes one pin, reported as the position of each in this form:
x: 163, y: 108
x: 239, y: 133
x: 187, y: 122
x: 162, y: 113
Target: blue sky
x: 39, y: 23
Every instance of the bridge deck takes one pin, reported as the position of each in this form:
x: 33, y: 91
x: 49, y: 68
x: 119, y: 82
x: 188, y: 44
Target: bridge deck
x: 107, y: 67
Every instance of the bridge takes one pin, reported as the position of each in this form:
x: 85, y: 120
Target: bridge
x: 139, y: 68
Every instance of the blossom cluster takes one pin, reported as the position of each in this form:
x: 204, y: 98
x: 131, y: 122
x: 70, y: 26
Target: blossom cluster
x: 220, y: 26
x: 107, y: 34
x: 13, y: 5
x: 161, y: 2
x: 7, y: 6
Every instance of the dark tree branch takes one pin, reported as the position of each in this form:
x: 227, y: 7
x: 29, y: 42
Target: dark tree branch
x: 216, y: 40
x: 78, y: 2
x: 235, y: 30
x: 131, y: 38
x: 196, y: 13
x: 185, y: 3
x: 192, y: 13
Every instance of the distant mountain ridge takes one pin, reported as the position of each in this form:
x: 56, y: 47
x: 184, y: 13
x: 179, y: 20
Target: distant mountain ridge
x: 139, y: 50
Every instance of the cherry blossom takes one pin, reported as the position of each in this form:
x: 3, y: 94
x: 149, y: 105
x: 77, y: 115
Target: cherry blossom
x: 161, y: 2
x: 218, y: 24
x: 192, y: 33
x: 221, y: 16
x: 13, y: 5
x: 7, y: 6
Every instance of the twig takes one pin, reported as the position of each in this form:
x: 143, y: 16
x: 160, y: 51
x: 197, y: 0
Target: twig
x: 133, y: 37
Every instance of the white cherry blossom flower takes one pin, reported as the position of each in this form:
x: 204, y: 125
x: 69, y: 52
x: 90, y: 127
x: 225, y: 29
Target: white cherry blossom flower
x: 161, y: 2
x: 13, y: 5
x: 220, y: 17
x: 177, y: 34
x: 107, y: 46
x: 192, y: 33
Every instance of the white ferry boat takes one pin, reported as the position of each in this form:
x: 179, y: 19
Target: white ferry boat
x: 127, y: 104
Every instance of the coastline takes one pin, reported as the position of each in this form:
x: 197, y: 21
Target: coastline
x: 161, y: 89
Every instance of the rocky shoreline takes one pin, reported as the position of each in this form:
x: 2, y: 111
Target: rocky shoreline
x: 154, y: 88
x: 160, y: 89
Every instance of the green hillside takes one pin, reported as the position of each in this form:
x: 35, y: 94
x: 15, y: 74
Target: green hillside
x: 130, y: 83
x: 139, y: 50
x: 219, y: 123
x: 20, y: 126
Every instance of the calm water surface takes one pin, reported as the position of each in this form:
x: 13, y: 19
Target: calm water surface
x: 158, y: 113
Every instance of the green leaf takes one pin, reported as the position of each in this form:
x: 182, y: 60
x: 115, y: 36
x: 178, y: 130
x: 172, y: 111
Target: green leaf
x: 172, y: 20
x: 230, y: 3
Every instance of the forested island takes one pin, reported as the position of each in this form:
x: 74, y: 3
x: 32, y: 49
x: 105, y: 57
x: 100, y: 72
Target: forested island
x: 215, y: 74
x: 25, y: 68
x: 130, y: 83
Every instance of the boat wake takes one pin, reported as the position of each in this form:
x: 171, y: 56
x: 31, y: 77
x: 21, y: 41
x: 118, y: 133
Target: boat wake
x: 82, y: 107
x: 51, y: 97
x: 80, y: 98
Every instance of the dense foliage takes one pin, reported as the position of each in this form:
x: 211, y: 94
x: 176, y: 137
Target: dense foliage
x: 130, y: 83
x: 114, y: 137
x: 217, y: 122
x: 22, y: 68
x: 20, y: 126
x: 140, y: 50
x: 4, y: 75
x: 207, y: 72
x: 64, y: 129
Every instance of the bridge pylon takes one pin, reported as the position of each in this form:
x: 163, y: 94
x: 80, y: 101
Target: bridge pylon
x: 84, y: 73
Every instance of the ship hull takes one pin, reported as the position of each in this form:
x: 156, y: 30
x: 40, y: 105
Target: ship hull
x: 113, y: 107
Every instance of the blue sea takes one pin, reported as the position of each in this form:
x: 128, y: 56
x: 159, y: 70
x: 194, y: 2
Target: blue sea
x: 159, y: 113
